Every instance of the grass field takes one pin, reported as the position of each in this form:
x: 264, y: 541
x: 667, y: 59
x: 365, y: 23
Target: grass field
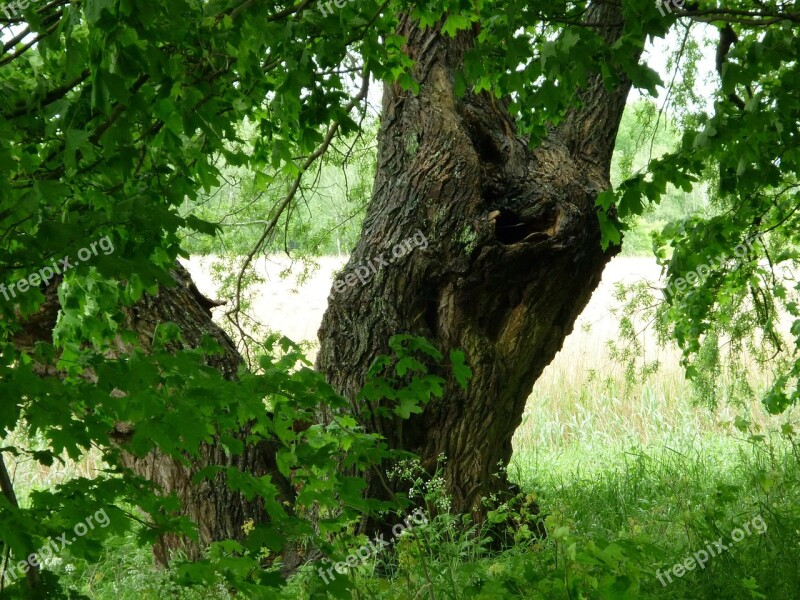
x: 634, y: 479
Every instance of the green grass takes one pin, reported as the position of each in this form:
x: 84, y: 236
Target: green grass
x: 655, y: 505
x: 633, y: 478
x: 677, y: 496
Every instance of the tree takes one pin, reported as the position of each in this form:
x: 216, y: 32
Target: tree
x: 219, y: 511
x: 497, y: 131
x: 513, y: 257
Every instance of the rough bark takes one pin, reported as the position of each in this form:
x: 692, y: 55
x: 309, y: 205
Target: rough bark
x: 218, y: 512
x: 514, y: 255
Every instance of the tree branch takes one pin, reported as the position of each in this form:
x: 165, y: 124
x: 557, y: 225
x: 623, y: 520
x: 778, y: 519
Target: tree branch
x: 233, y: 314
x: 590, y: 129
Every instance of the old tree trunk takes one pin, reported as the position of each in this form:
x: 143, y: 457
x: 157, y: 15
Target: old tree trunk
x: 218, y: 512
x: 514, y: 255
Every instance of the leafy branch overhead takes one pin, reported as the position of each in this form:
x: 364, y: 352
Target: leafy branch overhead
x: 742, y: 149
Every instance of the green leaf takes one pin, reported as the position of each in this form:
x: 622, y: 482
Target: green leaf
x: 454, y: 24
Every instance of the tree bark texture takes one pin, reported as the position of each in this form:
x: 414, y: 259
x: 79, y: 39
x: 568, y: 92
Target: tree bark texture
x: 218, y: 512
x: 514, y: 255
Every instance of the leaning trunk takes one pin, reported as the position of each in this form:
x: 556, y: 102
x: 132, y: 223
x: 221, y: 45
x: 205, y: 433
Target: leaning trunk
x: 218, y: 512
x: 513, y: 256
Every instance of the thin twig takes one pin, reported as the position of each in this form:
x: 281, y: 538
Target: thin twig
x: 233, y: 314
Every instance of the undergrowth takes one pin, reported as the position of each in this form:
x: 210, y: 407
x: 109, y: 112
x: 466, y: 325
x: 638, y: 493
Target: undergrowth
x: 630, y: 482
x: 613, y: 525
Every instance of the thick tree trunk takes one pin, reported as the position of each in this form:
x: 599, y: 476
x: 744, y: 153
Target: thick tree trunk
x: 513, y: 257
x: 218, y: 512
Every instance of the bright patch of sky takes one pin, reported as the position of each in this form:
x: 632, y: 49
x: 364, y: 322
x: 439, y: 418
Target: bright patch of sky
x: 660, y: 54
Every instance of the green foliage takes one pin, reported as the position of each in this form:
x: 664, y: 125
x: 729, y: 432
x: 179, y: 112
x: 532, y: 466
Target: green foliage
x: 404, y: 381
x: 646, y: 507
x: 740, y: 150
x: 612, y: 526
x: 119, y: 117
x: 167, y: 401
x: 647, y: 132
x: 116, y: 115
x: 326, y: 219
